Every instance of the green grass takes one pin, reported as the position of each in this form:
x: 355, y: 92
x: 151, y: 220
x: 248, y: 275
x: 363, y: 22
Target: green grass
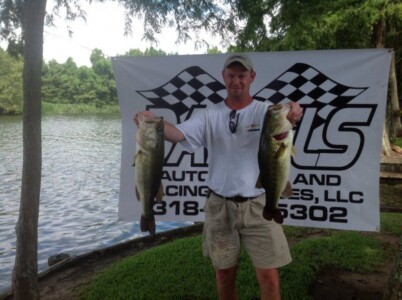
x: 179, y: 271
x: 171, y: 271
x: 398, y: 142
x: 58, y: 108
x: 341, y: 250
x: 391, y: 223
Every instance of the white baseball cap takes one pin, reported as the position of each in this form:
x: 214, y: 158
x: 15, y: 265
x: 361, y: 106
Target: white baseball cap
x: 242, y: 59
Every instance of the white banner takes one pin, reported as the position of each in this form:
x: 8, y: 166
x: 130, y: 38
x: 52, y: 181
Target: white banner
x: 335, y: 173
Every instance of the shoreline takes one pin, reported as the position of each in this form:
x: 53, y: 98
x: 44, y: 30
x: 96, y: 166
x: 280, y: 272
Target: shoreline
x: 114, y: 252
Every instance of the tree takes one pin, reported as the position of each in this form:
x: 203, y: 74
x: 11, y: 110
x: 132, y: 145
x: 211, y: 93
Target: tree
x: 25, y: 280
x: 105, y: 88
x: 213, y: 50
x: 51, y: 82
x: 148, y: 52
x: 68, y: 84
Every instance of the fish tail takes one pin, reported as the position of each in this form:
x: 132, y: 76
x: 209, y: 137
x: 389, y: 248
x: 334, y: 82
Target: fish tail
x: 274, y: 213
x: 148, y: 224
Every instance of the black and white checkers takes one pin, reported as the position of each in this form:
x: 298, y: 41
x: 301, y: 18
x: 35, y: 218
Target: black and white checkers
x: 305, y: 84
x: 190, y: 88
x: 194, y: 87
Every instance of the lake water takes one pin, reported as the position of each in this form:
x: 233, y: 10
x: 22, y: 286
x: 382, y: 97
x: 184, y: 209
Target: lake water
x: 79, y: 192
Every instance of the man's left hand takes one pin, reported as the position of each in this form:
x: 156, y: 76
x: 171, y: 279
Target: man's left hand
x: 295, y: 113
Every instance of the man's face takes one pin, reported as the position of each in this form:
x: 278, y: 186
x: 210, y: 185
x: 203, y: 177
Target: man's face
x: 238, y: 80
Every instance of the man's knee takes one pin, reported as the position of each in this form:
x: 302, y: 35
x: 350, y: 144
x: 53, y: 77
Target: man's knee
x: 226, y: 276
x: 268, y: 277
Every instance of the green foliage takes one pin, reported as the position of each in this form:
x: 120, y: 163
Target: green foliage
x: 67, y: 83
x: 65, y: 86
x: 10, y: 84
x: 286, y: 25
x: 148, y: 52
x: 59, y: 108
x: 213, y: 50
x: 315, y: 24
x: 398, y: 142
x: 187, y: 17
x: 71, y: 89
x: 10, y: 22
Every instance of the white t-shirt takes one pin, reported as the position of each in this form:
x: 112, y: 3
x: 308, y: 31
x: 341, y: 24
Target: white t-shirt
x: 232, y: 157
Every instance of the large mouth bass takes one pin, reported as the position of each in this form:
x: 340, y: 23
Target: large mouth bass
x: 275, y: 149
x: 148, y: 161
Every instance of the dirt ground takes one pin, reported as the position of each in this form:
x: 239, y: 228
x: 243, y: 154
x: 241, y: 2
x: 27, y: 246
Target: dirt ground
x: 63, y: 281
x: 332, y: 284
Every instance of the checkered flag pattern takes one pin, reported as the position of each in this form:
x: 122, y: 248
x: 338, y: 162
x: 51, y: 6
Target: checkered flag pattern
x: 189, y: 88
x: 304, y: 83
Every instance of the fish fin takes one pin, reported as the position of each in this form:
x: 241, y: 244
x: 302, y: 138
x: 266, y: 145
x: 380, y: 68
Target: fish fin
x: 137, y: 194
x: 287, y: 191
x: 135, y: 157
x: 278, y: 218
x: 275, y: 214
x: 148, y: 224
x: 258, y: 183
x: 281, y: 151
x: 159, y: 194
x: 293, y: 151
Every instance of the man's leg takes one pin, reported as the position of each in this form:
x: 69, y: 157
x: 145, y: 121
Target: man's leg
x: 268, y: 279
x: 226, y: 283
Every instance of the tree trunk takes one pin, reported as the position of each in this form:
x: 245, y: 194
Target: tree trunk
x: 378, y: 37
x: 378, y: 41
x: 386, y: 145
x: 395, y: 126
x: 25, y: 275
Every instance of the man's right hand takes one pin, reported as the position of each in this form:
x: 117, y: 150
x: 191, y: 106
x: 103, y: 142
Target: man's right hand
x: 172, y: 134
x: 145, y: 113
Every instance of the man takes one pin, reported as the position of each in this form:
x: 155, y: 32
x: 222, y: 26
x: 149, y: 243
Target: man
x: 233, y: 209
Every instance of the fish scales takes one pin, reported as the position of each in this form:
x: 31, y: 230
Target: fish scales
x: 274, y: 159
x: 148, y: 161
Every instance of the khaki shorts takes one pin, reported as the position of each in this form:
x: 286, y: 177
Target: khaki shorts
x: 227, y: 223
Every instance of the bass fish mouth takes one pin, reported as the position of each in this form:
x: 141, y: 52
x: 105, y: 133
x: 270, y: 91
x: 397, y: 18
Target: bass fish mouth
x: 281, y: 136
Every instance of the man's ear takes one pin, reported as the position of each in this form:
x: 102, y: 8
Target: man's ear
x: 253, y: 74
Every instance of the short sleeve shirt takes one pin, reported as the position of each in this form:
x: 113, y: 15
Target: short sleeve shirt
x: 232, y: 157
